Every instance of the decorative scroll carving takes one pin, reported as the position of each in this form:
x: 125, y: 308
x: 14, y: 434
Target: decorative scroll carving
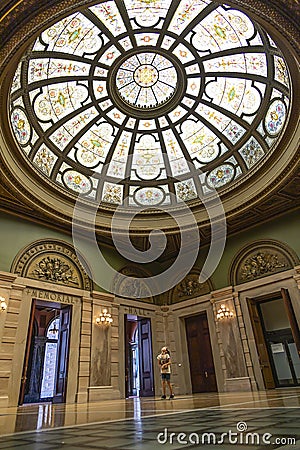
x: 188, y: 287
x: 260, y: 259
x: 52, y: 261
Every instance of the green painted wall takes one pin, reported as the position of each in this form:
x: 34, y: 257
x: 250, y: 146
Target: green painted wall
x: 18, y: 233
x: 285, y: 229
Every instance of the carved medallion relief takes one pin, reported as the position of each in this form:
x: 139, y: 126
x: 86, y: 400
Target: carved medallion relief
x: 260, y: 259
x: 127, y: 284
x: 189, y: 287
x: 53, y: 262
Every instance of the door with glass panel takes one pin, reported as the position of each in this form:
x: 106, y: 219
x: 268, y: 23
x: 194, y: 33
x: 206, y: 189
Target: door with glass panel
x: 276, y: 341
x: 284, y: 358
x: 280, y: 343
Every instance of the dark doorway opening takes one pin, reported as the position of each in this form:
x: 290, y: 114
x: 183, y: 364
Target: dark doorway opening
x: 46, y: 359
x: 139, y: 381
x: 202, y: 368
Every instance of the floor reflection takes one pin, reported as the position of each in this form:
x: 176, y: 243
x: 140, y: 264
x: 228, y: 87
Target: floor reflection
x: 48, y: 416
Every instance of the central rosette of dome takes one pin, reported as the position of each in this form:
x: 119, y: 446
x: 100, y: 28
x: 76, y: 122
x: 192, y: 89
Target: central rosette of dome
x: 146, y: 76
x: 146, y: 80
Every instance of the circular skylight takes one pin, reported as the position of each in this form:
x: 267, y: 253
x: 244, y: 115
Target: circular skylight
x: 132, y: 102
x: 146, y: 80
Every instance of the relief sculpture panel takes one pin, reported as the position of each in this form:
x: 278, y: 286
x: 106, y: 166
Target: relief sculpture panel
x: 53, y: 262
x: 260, y: 259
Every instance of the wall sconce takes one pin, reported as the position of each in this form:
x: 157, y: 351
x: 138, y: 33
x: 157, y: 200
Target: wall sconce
x: 224, y: 313
x: 104, y: 318
x: 3, y: 304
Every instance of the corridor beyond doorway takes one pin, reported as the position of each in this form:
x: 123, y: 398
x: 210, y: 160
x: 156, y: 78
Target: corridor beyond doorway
x: 46, y: 359
x: 139, y: 379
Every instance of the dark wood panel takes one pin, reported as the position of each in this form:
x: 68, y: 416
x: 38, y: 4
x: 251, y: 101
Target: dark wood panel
x: 292, y: 318
x: 200, y: 354
x: 145, y: 355
x: 63, y: 356
x: 262, y: 350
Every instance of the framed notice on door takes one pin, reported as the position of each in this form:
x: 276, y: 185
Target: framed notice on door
x: 277, y: 348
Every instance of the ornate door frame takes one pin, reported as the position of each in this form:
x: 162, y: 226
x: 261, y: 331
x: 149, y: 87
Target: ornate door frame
x: 49, y: 270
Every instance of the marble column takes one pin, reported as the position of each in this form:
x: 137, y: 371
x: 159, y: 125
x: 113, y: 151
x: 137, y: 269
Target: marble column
x: 84, y: 351
x: 11, y: 354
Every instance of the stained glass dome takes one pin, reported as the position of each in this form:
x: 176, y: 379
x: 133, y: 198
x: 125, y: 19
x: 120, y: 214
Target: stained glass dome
x: 149, y: 102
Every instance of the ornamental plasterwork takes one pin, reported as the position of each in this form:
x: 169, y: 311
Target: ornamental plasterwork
x: 128, y: 285
x: 129, y: 103
x: 189, y: 287
x: 261, y: 264
x: 53, y: 262
x: 260, y: 260
x: 55, y: 270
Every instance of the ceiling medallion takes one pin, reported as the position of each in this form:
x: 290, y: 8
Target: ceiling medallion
x: 146, y: 80
x: 146, y: 76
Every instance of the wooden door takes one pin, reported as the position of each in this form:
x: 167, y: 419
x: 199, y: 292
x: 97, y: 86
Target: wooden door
x: 62, y: 356
x: 264, y: 360
x: 130, y: 359
x: 200, y: 354
x: 145, y: 358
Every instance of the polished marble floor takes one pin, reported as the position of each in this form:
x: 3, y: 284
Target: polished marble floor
x: 250, y: 420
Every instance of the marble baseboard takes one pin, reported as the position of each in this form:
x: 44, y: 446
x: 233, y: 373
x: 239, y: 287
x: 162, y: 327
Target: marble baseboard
x: 240, y: 384
x: 97, y: 393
